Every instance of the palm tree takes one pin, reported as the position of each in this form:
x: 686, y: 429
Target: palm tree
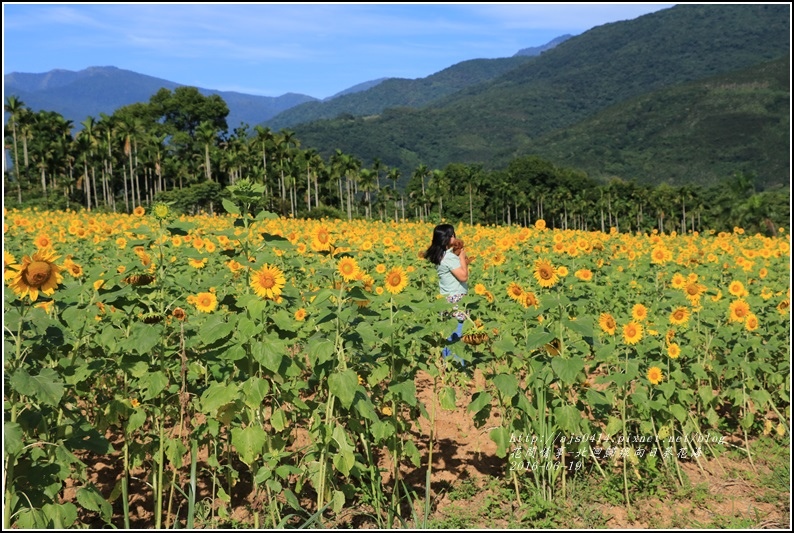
x: 394, y: 174
x: 367, y: 182
x: 14, y: 106
x: 206, y: 135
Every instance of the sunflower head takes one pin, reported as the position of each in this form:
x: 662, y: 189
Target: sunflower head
x: 268, y: 282
x: 206, y: 302
x: 348, y: 268
x: 632, y: 333
x: 36, y: 273
x: 545, y: 273
x: 607, y: 323
x: 161, y: 211
x: 396, y: 280
x: 655, y: 375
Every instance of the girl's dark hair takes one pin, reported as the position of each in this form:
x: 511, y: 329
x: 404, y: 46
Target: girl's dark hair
x: 442, y: 234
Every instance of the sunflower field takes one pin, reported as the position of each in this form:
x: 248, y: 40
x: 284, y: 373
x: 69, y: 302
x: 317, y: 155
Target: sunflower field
x: 196, y: 353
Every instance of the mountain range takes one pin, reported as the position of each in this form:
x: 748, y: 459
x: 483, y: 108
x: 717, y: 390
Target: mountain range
x: 76, y: 95
x: 549, y: 100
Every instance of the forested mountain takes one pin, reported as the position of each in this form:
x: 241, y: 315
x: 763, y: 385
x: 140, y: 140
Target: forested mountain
x: 702, y: 131
x: 399, y: 92
x: 495, y: 121
x: 95, y: 90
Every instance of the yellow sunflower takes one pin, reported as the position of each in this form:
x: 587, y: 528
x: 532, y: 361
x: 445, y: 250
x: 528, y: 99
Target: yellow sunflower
x: 300, y: 315
x: 36, y: 273
x: 540, y: 224
x: 607, y: 323
x: 321, y: 239
x: 480, y: 289
x: 562, y: 271
x: 529, y: 299
x: 694, y: 291
x: 515, y: 291
x: 545, y: 273
x: 679, y: 316
x: 632, y: 333
x: 655, y: 375
x: 348, y: 268
x: 736, y: 288
x: 43, y: 241
x: 206, y: 302
x: 678, y: 281
x: 73, y: 268
x: 584, y: 274
x: 139, y: 211
x: 381, y: 268
x: 639, y: 312
x: 673, y: 350
x: 268, y: 281
x: 783, y: 307
x: 751, y: 322
x: 738, y: 310
x: 197, y: 263
x: 660, y: 255
x: 395, y: 280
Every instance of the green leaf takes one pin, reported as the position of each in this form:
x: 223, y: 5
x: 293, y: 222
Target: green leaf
x: 678, y: 412
x: 538, y: 338
x: 249, y: 443
x: 448, y: 400
x: 501, y: 436
x: 343, y: 386
x: 90, y: 498
x: 582, y: 325
x: 382, y: 430
x: 142, y: 338
x: 254, y: 391
x: 12, y: 438
x: 269, y: 353
x: 217, y: 395
x: 61, y: 515
x: 412, y: 452
x: 567, y: 369
x: 321, y: 349
x: 613, y: 426
x: 47, y: 387
x: 506, y: 384
x: 478, y: 401
x: 215, y: 329
x: 278, y: 420
x: 175, y: 452
x: 230, y: 206
x: 405, y: 390
x: 568, y: 418
x: 153, y: 384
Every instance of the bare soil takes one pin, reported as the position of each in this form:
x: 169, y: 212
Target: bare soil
x: 728, y: 492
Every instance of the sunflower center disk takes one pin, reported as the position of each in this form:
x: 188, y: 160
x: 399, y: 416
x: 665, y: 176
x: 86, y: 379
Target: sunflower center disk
x: 37, y: 273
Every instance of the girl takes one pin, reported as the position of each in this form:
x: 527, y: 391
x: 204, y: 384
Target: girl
x: 447, y: 253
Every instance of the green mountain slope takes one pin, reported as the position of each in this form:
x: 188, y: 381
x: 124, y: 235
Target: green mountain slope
x: 493, y: 122
x: 395, y: 92
x: 702, y: 131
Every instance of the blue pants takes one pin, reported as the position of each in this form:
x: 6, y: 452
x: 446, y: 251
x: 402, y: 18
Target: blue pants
x: 455, y: 337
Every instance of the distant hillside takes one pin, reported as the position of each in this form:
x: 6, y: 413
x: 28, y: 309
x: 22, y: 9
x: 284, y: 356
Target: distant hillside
x: 357, y: 88
x: 537, y: 50
x: 399, y: 92
x: 95, y: 90
x: 697, y: 132
x: 493, y: 122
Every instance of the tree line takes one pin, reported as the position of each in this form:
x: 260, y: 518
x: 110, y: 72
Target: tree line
x: 177, y: 148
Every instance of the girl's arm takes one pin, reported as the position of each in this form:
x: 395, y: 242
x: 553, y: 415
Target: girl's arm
x: 462, y: 272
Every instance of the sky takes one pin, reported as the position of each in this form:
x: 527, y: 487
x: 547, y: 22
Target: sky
x: 270, y: 49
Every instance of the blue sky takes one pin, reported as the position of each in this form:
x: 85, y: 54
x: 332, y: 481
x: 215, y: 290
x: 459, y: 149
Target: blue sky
x: 269, y: 49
